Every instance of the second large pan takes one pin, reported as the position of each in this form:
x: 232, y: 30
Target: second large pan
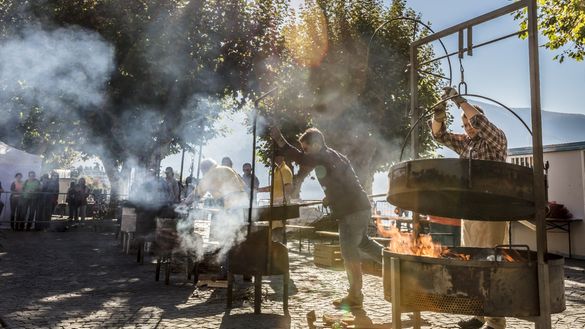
x: 460, y: 188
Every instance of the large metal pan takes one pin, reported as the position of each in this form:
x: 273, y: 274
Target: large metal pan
x: 463, y: 188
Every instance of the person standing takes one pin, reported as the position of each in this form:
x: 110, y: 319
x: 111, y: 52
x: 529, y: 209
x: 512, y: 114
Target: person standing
x: 280, y: 190
x: 15, y: 194
x: 282, y: 181
x: 250, y: 180
x: 347, y: 199
x: 173, y: 186
x: 482, y: 140
x: 81, y: 194
x: 43, y: 204
x: 227, y: 162
x: 1, y: 194
x: 30, y: 197
x: 228, y: 189
x: 71, y: 204
x: 52, y: 195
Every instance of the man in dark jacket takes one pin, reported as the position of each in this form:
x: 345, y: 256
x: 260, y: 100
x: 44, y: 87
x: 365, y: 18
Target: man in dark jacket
x: 347, y: 199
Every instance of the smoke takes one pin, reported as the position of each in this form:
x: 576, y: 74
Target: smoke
x: 56, y: 70
x: 202, y: 231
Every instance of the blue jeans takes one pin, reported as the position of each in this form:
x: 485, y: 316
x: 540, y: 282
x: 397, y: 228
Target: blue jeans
x: 353, y: 240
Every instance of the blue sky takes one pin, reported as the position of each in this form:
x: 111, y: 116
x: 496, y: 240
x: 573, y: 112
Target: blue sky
x: 500, y: 70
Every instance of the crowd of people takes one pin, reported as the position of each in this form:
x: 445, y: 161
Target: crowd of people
x: 34, y: 200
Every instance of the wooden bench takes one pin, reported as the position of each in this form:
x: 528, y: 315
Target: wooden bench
x: 335, y: 236
x: 300, y: 229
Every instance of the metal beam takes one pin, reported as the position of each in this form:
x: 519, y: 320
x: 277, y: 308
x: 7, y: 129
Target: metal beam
x: 475, y: 21
x: 468, y: 49
x: 415, y: 137
x: 537, y: 155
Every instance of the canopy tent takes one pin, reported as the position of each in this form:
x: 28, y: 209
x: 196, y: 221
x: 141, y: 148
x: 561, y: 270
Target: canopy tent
x: 13, y: 160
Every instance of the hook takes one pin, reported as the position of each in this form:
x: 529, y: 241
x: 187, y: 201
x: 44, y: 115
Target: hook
x: 462, y: 83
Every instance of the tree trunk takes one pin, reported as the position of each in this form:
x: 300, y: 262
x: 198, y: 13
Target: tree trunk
x: 111, y: 168
x: 361, y: 161
x: 298, y: 180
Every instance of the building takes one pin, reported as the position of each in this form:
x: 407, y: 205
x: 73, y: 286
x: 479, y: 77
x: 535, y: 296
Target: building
x: 566, y: 181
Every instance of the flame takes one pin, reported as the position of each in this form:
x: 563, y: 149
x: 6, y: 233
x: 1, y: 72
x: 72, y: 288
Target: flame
x: 403, y: 243
x: 511, y: 255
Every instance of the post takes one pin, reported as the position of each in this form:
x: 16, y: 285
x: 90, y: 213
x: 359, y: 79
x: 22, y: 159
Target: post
x: 415, y: 113
x: 181, y: 174
x: 544, y: 320
x: 395, y: 293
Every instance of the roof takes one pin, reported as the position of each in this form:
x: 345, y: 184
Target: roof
x: 548, y: 148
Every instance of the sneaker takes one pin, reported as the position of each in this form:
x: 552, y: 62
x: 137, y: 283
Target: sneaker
x: 349, y: 302
x: 472, y: 323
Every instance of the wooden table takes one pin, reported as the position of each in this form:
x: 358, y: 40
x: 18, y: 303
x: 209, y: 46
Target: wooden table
x: 557, y: 225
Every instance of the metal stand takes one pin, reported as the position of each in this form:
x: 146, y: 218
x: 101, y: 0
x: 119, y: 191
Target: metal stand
x: 544, y: 320
x: 396, y: 301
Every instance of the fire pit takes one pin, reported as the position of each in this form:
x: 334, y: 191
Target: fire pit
x: 483, y: 285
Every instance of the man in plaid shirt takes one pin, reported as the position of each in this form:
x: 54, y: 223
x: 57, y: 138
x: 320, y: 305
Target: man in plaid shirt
x: 482, y: 140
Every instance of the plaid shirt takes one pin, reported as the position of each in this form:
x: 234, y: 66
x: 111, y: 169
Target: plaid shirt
x: 489, y: 144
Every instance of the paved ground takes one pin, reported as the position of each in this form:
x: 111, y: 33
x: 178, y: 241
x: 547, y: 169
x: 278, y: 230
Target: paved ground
x: 79, y: 279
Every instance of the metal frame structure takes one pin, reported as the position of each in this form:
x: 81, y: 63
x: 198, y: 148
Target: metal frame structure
x: 544, y: 319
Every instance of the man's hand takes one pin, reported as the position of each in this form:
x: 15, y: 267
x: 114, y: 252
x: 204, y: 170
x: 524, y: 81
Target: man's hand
x: 325, y: 202
x: 439, y: 112
x: 449, y: 92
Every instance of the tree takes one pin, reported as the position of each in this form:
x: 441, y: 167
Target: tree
x: 563, y: 23
x: 360, y: 105
x: 176, y: 63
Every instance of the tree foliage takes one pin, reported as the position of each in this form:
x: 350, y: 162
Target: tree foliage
x: 175, y: 62
x: 178, y: 63
x: 361, y: 104
x: 563, y: 23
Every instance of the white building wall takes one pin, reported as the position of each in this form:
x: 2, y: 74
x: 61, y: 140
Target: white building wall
x: 566, y: 186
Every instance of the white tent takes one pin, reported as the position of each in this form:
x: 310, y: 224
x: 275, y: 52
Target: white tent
x: 13, y: 160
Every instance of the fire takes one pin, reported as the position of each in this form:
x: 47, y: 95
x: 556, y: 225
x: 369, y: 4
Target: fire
x: 403, y: 243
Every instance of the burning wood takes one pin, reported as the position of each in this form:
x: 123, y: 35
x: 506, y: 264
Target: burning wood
x: 512, y: 255
x: 423, y: 245
x: 403, y: 243
x: 447, y: 253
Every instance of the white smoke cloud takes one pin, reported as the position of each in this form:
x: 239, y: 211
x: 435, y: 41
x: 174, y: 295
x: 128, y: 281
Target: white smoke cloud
x: 55, y: 69
x: 202, y: 231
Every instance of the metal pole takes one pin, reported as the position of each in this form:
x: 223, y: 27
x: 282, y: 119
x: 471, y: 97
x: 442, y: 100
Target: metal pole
x: 414, y: 112
x: 181, y: 174
x: 475, y: 21
x: 539, y: 188
x: 254, y: 123
x: 199, y: 160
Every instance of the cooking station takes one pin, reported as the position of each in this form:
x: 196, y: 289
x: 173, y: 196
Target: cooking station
x: 503, y: 281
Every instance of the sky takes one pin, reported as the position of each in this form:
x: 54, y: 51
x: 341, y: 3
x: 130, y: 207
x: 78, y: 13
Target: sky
x: 499, y: 71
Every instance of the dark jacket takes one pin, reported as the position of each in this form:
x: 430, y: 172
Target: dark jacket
x: 335, y: 174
